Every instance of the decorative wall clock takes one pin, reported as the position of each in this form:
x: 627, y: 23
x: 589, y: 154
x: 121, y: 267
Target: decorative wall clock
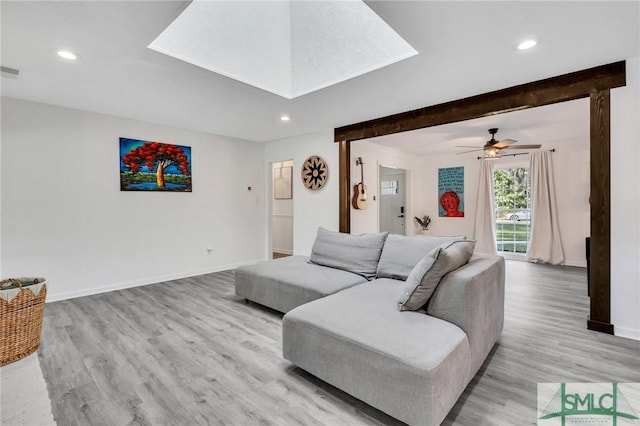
x: 314, y: 172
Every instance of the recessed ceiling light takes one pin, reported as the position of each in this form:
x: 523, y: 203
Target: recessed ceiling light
x: 66, y: 54
x: 527, y: 44
x: 285, y: 118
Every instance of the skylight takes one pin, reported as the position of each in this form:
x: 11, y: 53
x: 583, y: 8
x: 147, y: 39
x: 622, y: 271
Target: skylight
x: 289, y: 48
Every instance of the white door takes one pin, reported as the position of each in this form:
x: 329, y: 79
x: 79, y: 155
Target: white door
x: 392, y: 204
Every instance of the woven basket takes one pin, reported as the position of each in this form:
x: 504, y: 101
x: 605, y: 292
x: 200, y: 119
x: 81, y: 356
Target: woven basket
x: 21, y: 320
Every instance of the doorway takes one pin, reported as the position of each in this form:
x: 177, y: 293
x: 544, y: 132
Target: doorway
x: 282, y: 209
x: 392, y: 206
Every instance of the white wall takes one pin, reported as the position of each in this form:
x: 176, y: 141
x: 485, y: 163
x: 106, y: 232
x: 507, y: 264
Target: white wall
x: 281, y: 216
x: 2, y: 276
x: 65, y: 218
x: 311, y: 209
x: 373, y: 156
x: 571, y: 170
x: 625, y: 204
x: 429, y: 201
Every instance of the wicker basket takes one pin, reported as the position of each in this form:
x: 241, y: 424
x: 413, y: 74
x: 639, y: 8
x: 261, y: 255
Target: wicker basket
x: 21, y: 317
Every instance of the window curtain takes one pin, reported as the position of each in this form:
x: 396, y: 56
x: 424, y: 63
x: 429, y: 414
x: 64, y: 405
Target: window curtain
x: 485, y: 226
x: 545, y: 245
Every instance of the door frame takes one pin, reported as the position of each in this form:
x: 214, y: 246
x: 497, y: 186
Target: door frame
x: 270, y: 204
x: 595, y: 83
x: 406, y: 192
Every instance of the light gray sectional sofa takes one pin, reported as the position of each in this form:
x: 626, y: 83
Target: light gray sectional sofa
x: 405, y: 334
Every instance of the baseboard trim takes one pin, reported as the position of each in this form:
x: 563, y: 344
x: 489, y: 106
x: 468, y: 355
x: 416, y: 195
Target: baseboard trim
x: 628, y: 333
x: 55, y: 297
x: 603, y: 327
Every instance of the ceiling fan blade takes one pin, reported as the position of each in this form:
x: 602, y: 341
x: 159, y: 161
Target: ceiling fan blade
x: 505, y: 143
x: 473, y: 150
x: 469, y: 146
x: 522, y: 147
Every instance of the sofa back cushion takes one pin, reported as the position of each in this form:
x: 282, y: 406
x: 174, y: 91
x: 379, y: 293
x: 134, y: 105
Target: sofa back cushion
x: 426, y: 275
x: 354, y: 253
x: 401, y: 254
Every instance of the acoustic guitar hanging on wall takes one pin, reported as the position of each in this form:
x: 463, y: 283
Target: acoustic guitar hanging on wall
x: 360, y: 200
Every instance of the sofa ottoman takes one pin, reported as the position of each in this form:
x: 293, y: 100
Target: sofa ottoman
x: 285, y: 283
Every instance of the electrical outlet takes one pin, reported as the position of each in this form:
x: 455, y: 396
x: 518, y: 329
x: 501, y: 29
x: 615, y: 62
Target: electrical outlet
x: 209, y: 249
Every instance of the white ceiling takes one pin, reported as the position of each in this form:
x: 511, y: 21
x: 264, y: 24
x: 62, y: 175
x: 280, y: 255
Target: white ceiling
x: 465, y: 48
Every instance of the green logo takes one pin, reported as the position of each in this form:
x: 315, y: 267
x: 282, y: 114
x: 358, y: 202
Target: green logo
x: 586, y: 406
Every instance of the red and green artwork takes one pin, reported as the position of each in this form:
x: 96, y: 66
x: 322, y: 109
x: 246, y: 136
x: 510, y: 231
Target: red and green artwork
x: 154, y: 166
x: 451, y: 192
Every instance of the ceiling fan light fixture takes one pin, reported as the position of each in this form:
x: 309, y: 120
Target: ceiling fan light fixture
x: 491, y: 152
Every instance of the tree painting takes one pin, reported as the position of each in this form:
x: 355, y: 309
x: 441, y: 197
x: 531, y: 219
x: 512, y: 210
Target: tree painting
x: 154, y: 166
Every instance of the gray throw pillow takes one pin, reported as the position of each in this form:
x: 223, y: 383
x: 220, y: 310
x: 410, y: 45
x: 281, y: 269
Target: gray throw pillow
x: 401, y: 254
x: 354, y: 253
x: 426, y: 275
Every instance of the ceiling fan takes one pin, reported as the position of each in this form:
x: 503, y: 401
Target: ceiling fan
x: 493, y: 147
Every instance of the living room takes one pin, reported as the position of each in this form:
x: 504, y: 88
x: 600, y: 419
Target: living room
x: 65, y: 218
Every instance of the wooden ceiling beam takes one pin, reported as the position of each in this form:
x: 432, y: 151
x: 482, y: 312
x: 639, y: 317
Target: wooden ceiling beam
x: 542, y: 92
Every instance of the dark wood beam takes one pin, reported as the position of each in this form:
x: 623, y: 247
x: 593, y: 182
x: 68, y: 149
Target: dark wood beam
x: 600, y: 275
x: 345, y: 185
x: 542, y: 92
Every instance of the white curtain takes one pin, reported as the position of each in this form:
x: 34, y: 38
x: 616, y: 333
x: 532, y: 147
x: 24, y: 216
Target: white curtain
x: 485, y: 226
x: 545, y: 245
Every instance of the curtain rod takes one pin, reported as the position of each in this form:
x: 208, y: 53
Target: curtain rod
x: 510, y: 155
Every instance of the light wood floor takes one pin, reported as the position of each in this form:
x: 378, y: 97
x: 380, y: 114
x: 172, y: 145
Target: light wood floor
x: 189, y: 352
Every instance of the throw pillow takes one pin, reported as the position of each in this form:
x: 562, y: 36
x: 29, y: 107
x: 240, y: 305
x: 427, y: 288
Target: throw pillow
x: 354, y: 253
x: 426, y: 275
x: 401, y: 254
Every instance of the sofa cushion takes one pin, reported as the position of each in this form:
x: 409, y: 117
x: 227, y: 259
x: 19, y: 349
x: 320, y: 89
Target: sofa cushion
x: 410, y: 365
x: 401, y: 253
x: 291, y: 281
x: 354, y: 253
x: 426, y: 275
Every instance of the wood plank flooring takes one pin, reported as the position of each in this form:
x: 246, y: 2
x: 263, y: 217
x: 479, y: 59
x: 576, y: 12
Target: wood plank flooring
x: 189, y: 352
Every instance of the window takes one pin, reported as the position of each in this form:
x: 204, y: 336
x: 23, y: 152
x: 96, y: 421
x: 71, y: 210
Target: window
x: 388, y: 187
x: 512, y: 191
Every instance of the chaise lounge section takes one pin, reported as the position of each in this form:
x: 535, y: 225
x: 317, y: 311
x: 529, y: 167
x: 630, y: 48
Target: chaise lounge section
x: 288, y: 282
